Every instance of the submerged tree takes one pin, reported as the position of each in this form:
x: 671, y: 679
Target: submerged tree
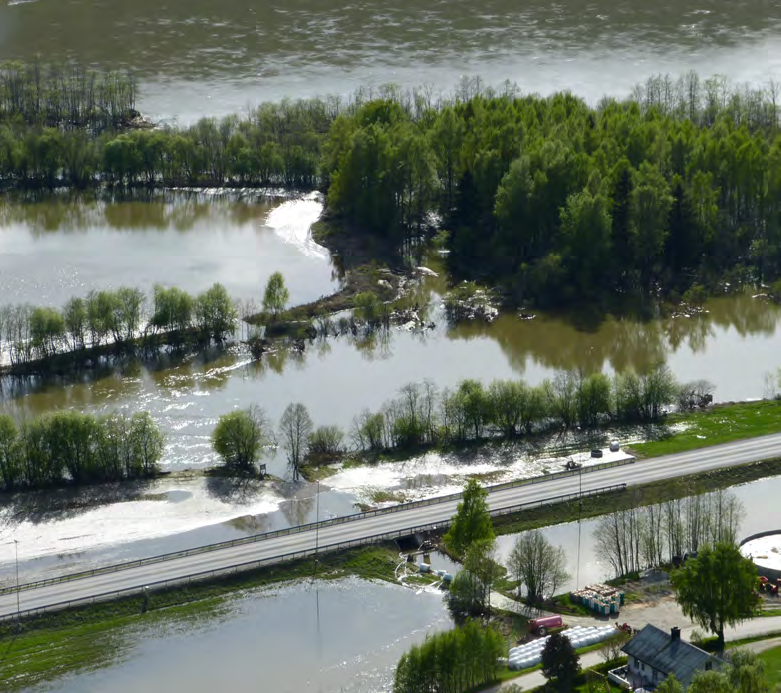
x: 276, y: 295
x: 240, y: 436
x: 295, y: 428
x: 537, y: 565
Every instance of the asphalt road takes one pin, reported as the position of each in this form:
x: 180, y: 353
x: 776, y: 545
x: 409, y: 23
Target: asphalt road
x: 643, y: 471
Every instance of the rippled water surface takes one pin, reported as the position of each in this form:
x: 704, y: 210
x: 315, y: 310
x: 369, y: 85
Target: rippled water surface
x: 53, y: 249
x: 196, y: 58
x: 586, y: 567
x: 343, y: 636
x: 67, y: 246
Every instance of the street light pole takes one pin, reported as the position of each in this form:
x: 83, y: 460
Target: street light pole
x: 18, y: 595
x: 580, y: 512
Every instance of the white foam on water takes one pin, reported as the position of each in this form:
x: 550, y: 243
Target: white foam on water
x: 293, y: 220
x: 435, y: 474
x: 169, y: 506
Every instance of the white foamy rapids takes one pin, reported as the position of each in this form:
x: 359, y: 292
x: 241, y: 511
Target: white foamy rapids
x: 167, y: 507
x: 293, y: 220
x: 435, y: 474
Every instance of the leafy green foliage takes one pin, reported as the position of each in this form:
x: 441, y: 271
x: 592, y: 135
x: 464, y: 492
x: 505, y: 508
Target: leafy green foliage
x: 216, y: 313
x: 325, y: 441
x: 422, y: 415
x: 670, y: 685
x: 71, y: 447
x: 456, y: 661
x: 276, y: 295
x: 240, y: 437
x: 717, y: 588
x: 548, y: 198
x: 472, y: 522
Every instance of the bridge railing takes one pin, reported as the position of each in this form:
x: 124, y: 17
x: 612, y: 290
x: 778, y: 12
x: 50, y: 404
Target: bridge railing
x: 294, y: 555
x: 307, y: 527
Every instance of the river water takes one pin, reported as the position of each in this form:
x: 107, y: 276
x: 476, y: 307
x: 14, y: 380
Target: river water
x: 199, y: 59
x: 204, y: 58
x: 52, y: 249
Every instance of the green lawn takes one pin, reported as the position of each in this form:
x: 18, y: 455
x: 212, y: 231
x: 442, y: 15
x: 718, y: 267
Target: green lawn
x: 772, y: 659
x: 721, y: 424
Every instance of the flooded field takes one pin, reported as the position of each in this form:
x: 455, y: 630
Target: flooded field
x: 338, y: 636
x: 65, y: 245
x: 756, y: 497
x: 91, y: 244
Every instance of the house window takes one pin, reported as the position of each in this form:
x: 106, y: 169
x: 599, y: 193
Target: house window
x: 708, y: 666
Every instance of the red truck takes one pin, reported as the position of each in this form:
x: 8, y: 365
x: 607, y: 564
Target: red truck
x: 541, y: 626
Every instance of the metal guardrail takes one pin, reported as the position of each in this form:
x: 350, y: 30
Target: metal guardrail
x: 307, y: 527
x: 294, y: 555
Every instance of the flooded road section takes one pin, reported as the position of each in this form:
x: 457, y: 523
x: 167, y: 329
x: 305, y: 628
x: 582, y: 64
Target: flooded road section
x: 338, y: 636
x: 201, y: 59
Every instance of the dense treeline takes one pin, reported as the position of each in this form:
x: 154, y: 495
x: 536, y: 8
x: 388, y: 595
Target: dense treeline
x: 275, y: 144
x: 422, y: 415
x: 114, y: 316
x: 555, y: 200
x: 69, y: 446
x: 547, y: 198
x: 638, y: 538
x: 451, y: 662
x: 65, y: 96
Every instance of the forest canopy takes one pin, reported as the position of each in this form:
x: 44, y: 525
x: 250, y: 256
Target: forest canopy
x: 549, y: 199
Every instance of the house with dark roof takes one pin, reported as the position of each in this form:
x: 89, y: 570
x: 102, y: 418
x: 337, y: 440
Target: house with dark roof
x: 655, y: 654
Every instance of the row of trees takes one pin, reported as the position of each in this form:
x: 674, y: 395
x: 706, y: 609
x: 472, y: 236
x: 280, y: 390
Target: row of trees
x: 242, y: 437
x: 114, y: 316
x: 71, y: 447
x: 548, y: 198
x: 275, y: 144
x: 421, y: 414
x: 641, y: 537
x: 451, y: 662
x: 65, y: 96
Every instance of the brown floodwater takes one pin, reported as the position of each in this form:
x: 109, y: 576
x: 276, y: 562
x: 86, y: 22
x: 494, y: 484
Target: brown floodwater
x: 205, y: 58
x: 193, y: 240
x: 67, y: 245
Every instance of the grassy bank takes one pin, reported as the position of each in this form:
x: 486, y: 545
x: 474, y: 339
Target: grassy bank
x: 722, y: 423
x: 93, y: 636
x: 772, y: 660
x: 636, y: 496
